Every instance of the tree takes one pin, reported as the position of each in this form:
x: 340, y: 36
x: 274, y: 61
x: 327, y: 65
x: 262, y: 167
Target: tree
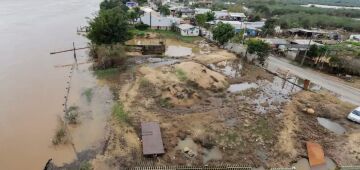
x: 269, y: 27
x: 210, y: 16
x: 260, y: 48
x: 200, y: 19
x: 132, y: 15
x: 141, y: 2
x: 110, y: 4
x: 254, y: 18
x: 164, y: 10
x: 236, y: 8
x: 313, y: 51
x: 223, y: 32
x: 109, y: 26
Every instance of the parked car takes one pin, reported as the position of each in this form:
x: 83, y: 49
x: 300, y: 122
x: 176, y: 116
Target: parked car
x: 355, y: 115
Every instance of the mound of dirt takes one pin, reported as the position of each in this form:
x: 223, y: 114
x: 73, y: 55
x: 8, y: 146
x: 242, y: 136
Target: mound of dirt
x: 202, y: 76
x: 215, y: 57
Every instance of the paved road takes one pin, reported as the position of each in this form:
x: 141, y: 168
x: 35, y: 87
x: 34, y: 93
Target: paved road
x: 331, y: 83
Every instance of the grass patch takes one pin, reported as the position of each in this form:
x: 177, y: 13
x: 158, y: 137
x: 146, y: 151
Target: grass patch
x: 102, y: 74
x: 88, y: 93
x: 181, y: 75
x: 120, y: 114
x: 263, y: 129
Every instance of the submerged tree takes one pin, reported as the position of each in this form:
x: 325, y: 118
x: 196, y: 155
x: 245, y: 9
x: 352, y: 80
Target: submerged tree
x: 110, y: 26
x: 223, y: 32
x: 260, y: 48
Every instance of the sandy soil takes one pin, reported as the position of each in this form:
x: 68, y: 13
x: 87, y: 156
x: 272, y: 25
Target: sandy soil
x: 194, y: 110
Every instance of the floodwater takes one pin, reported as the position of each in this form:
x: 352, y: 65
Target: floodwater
x: 332, y: 126
x: 231, y: 69
x: 32, y: 89
x: 234, y: 88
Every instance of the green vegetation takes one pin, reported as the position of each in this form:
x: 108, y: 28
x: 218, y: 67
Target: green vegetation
x: 88, y: 93
x: 60, y: 136
x: 180, y: 74
x: 108, y: 56
x: 164, y: 10
x: 293, y: 15
x: 106, y: 73
x: 263, y: 129
x: 120, y: 114
x: 260, y: 48
x: 85, y: 166
x: 109, y: 27
x: 223, y: 32
x: 201, y: 19
x: 110, y: 4
x: 72, y: 115
x: 165, y: 102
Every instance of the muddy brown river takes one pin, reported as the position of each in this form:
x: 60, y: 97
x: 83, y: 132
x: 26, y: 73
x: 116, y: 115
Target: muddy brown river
x: 33, y: 82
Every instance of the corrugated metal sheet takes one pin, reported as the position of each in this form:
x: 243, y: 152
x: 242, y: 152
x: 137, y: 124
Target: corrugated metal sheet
x: 315, y: 154
x: 151, y: 138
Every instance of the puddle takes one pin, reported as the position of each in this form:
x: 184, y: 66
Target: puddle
x: 231, y: 69
x: 158, y: 62
x: 273, y: 94
x: 212, y: 154
x: 178, y: 51
x: 332, y: 126
x: 241, y: 87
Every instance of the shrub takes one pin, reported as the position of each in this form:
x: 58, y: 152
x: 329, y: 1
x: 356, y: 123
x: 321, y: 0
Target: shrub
x: 141, y: 26
x: 72, y: 115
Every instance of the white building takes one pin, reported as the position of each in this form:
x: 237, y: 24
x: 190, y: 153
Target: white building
x: 156, y: 21
x: 355, y: 37
x: 188, y: 30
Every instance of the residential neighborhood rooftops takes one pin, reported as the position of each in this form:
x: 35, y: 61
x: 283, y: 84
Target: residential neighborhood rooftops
x: 304, y: 42
x: 151, y: 138
x: 202, y: 10
x: 276, y: 41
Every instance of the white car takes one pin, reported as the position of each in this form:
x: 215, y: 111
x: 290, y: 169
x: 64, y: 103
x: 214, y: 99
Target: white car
x: 355, y: 115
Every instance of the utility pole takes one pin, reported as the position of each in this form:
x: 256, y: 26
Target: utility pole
x: 307, y: 49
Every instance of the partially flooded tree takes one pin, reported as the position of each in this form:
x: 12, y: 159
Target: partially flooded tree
x: 260, y: 48
x: 223, y: 33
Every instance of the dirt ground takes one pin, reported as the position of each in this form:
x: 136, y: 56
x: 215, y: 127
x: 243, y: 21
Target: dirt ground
x: 203, y: 123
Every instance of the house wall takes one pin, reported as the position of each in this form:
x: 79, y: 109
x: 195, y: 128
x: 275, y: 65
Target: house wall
x: 158, y: 22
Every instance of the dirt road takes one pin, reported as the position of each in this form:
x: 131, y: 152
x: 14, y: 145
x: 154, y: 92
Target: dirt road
x: 346, y: 92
